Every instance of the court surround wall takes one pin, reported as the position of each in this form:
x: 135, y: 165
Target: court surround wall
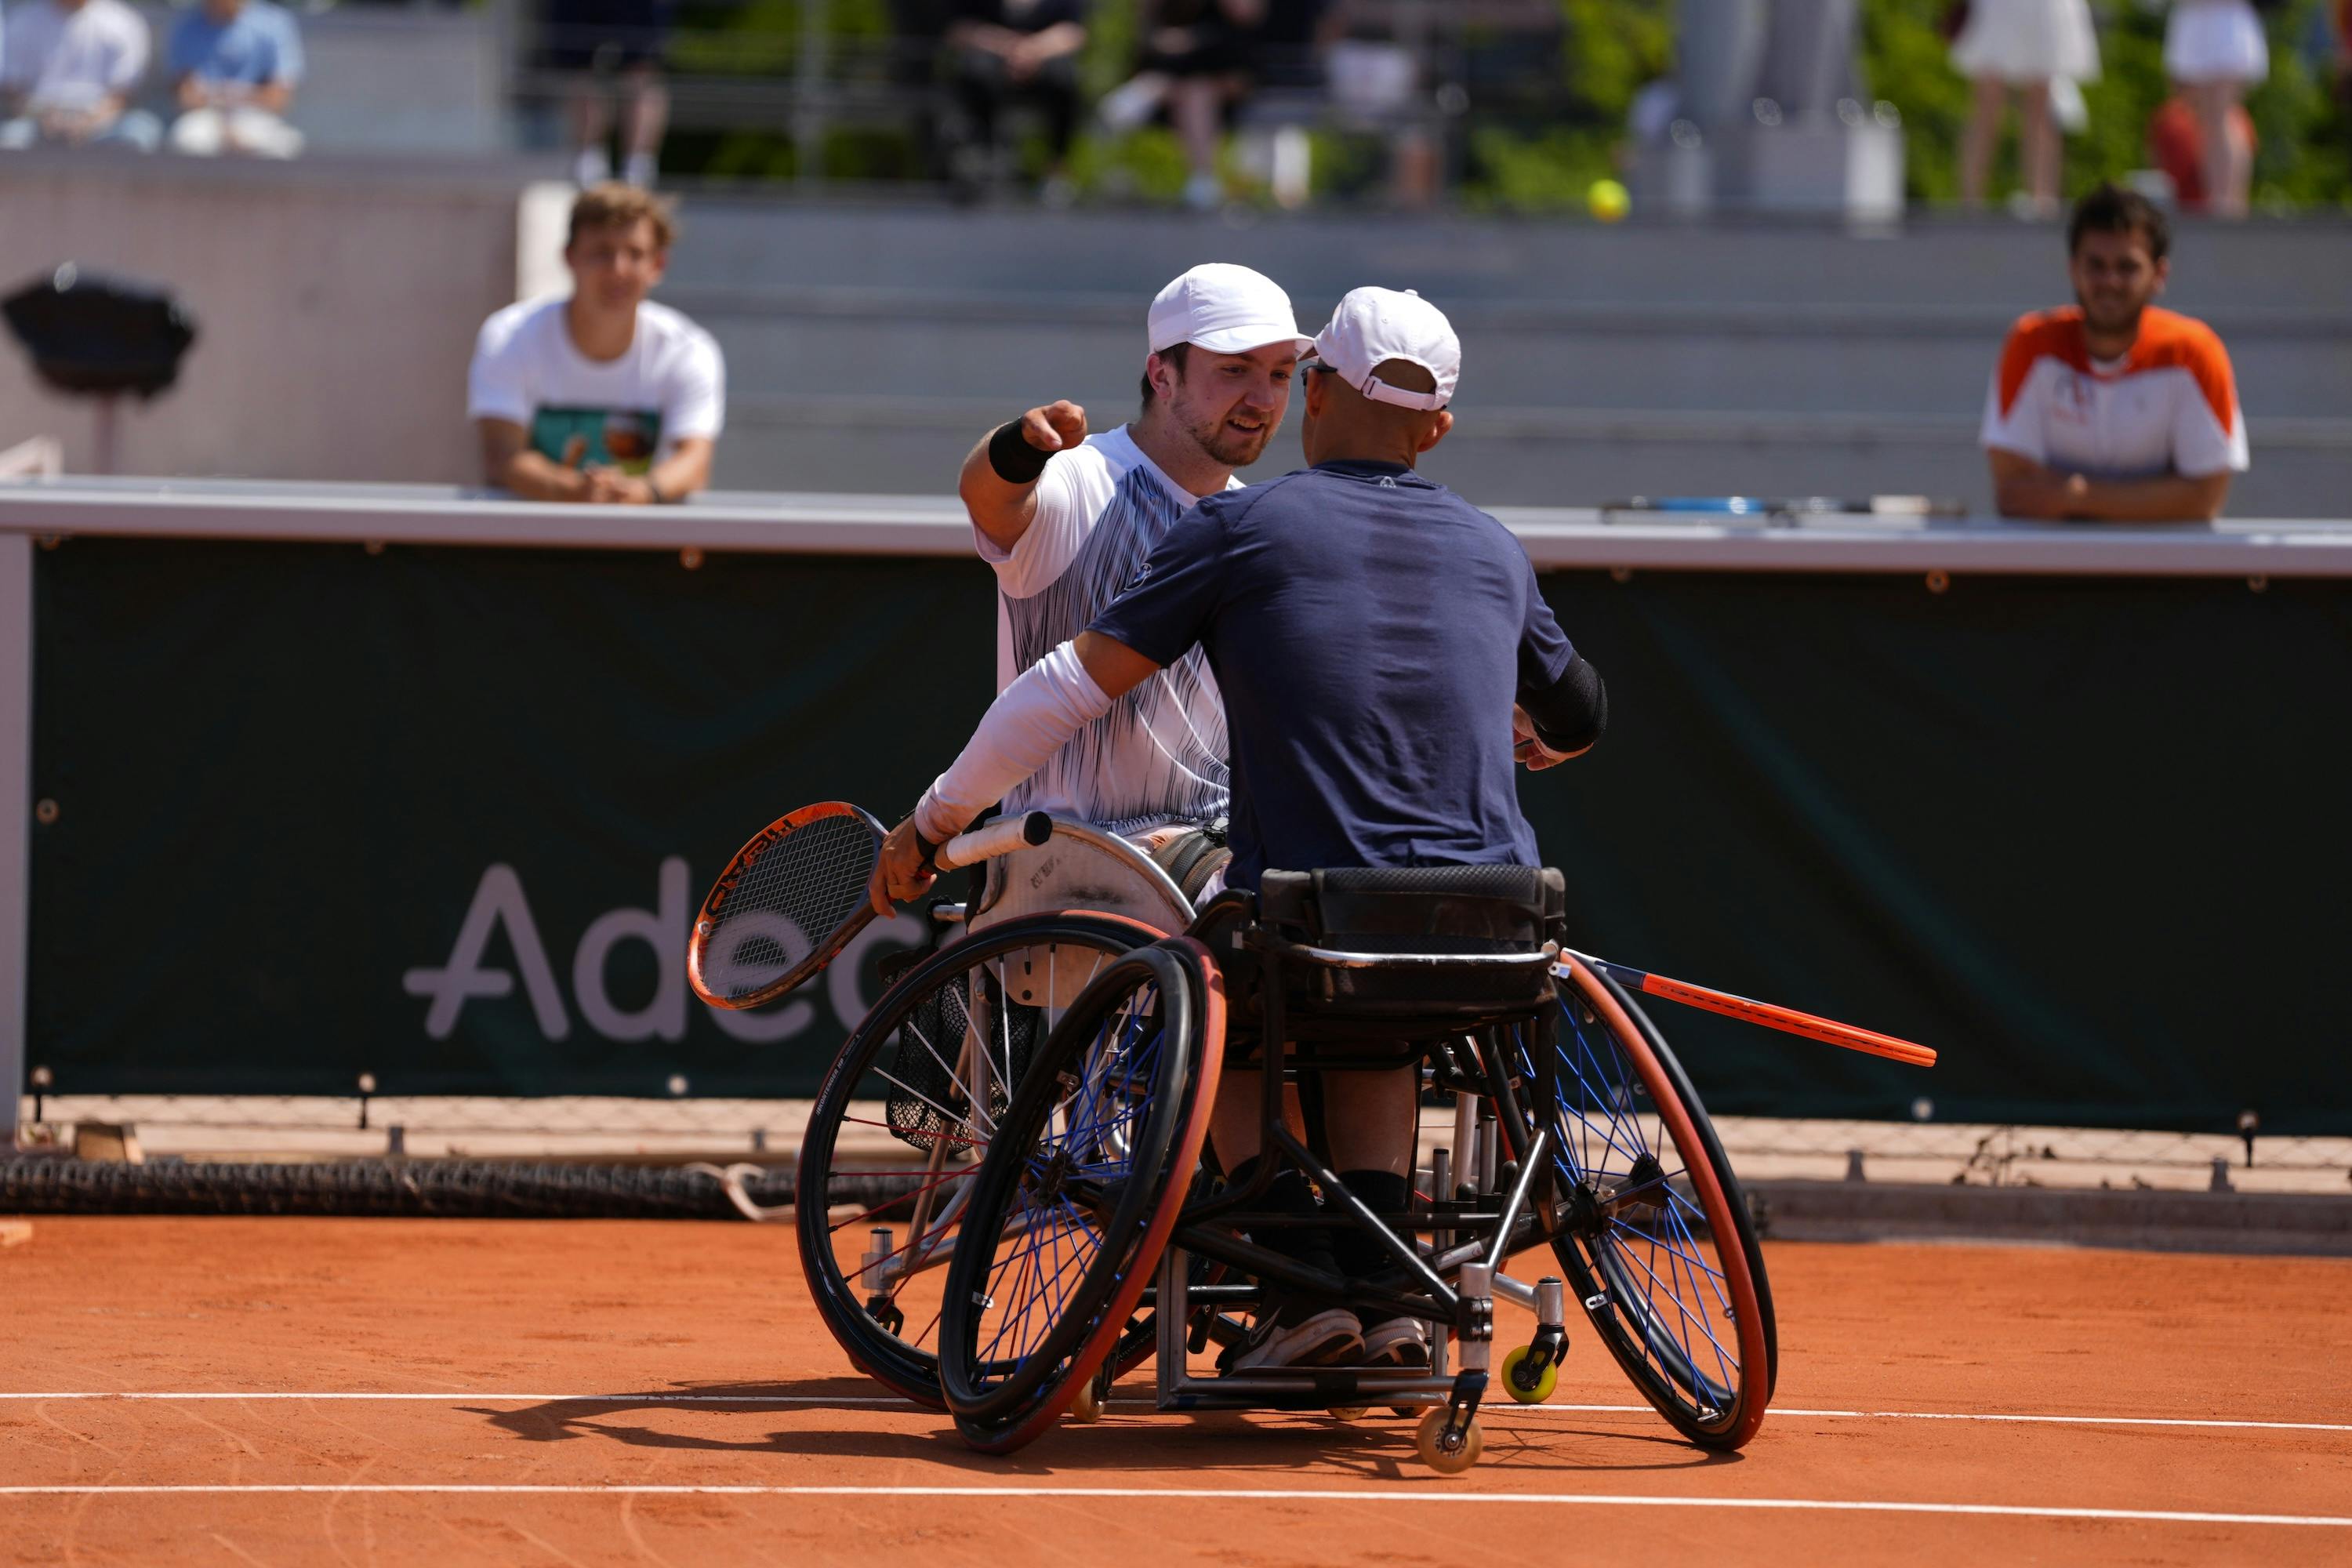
x: 439, y: 812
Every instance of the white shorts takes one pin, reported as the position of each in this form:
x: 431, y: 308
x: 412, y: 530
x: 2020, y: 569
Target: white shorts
x: 2025, y: 41
x: 2216, y: 40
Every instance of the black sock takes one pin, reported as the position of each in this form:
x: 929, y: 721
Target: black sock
x: 1359, y: 1252
x: 1310, y: 1245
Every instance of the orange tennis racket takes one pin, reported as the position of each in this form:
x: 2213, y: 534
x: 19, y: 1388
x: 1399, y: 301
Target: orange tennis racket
x: 793, y: 896
x: 1771, y: 1016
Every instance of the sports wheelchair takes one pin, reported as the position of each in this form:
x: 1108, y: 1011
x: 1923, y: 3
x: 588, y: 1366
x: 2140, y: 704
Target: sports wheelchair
x: 1083, y: 1227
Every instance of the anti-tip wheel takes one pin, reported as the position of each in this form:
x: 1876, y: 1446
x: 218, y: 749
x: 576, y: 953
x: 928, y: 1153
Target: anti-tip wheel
x: 1350, y: 1412
x: 1088, y: 1407
x: 1429, y: 1438
x: 1519, y: 1386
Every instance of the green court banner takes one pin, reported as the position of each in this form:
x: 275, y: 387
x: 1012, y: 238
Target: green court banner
x: 2084, y: 837
x: 443, y: 815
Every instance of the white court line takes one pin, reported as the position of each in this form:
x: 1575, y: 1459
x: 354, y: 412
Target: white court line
x: 1976, y: 1416
x: 1211, y: 1494
x: 453, y: 1398
x: 1492, y: 1408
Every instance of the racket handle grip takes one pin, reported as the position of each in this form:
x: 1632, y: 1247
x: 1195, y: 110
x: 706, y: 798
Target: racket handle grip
x: 999, y: 837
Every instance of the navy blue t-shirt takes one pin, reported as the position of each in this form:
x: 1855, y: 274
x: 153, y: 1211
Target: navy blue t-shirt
x: 1370, y: 631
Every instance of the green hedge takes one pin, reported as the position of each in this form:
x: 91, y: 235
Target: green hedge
x: 1538, y: 141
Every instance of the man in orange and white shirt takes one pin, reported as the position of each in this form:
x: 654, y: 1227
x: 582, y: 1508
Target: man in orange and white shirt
x: 2114, y: 410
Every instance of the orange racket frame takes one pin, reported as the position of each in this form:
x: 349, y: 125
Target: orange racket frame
x: 1771, y: 1016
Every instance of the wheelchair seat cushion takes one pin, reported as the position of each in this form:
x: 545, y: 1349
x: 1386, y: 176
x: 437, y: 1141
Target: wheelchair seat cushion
x: 1418, y: 908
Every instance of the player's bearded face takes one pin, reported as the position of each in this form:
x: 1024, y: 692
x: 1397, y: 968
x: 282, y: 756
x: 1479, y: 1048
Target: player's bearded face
x: 2115, y: 280
x: 1231, y: 405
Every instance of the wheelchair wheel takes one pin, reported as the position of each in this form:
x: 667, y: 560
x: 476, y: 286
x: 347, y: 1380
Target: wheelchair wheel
x: 1648, y: 1221
x: 1079, y: 1194
x: 875, y: 1232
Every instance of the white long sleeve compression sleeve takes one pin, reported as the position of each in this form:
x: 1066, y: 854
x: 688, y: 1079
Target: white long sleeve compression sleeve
x: 1028, y: 722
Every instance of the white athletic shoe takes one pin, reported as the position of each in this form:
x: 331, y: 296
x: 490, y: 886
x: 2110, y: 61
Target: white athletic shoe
x: 1396, y: 1341
x: 1325, y: 1338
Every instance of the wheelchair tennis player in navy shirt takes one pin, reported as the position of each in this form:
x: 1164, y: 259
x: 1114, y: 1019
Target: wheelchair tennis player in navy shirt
x: 1385, y: 656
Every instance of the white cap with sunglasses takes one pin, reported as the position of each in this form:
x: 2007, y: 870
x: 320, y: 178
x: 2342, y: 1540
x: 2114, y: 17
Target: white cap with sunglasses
x: 1372, y: 326
x: 1224, y: 308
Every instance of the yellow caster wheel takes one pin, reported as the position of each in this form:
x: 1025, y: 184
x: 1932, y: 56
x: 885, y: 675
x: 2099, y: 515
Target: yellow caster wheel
x: 1429, y: 1438
x: 1522, y: 1388
x: 1088, y: 1407
x: 1350, y: 1412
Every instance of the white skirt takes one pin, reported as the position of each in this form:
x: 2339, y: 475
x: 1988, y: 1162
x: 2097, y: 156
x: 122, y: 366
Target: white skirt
x: 2216, y: 40
x: 2022, y: 41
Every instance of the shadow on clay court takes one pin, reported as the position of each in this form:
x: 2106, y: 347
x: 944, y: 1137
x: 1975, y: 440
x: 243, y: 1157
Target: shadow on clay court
x: 1130, y: 1440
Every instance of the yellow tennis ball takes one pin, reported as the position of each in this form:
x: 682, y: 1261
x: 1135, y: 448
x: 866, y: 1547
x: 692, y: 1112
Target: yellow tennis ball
x: 1608, y: 200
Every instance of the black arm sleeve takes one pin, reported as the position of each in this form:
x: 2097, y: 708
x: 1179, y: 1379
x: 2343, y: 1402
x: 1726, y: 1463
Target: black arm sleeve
x: 1571, y: 713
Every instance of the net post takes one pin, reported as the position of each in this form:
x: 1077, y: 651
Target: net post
x: 16, y: 822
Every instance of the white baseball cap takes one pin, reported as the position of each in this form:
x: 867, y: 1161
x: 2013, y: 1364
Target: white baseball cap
x: 1373, y: 325
x: 1224, y: 308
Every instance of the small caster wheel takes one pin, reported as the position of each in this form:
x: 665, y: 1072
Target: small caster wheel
x: 1407, y: 1411
x: 1429, y: 1438
x: 1088, y: 1407
x: 886, y: 1315
x: 1350, y: 1412
x: 1523, y: 1386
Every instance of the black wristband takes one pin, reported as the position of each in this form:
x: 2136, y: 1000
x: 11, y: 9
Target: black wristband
x: 1016, y: 462
x: 931, y: 850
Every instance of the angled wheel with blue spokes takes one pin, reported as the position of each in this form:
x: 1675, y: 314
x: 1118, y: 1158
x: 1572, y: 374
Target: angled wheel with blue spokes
x: 897, y: 1128
x: 1646, y: 1217
x: 1078, y: 1192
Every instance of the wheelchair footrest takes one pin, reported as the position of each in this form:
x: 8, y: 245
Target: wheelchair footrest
x: 1309, y: 1388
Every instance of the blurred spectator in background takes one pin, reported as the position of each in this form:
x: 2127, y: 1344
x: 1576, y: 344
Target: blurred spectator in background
x: 1006, y: 51
x: 2176, y: 145
x: 1286, y: 47
x: 2215, y: 50
x: 233, y: 65
x: 2113, y: 409
x: 1195, y: 63
x: 2021, y: 46
x: 613, y: 48
x: 67, y: 68
x: 604, y: 396
x: 2344, y: 53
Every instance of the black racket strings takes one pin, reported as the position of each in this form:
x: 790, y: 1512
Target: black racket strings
x: 808, y: 884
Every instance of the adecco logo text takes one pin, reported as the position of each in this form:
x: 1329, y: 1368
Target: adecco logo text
x: 500, y: 900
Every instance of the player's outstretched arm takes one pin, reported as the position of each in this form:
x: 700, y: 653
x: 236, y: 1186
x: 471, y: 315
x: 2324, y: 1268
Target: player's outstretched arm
x: 999, y: 483
x: 1029, y: 722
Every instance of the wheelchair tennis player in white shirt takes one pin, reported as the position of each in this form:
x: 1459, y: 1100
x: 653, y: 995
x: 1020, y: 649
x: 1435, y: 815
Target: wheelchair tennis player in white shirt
x: 1065, y: 519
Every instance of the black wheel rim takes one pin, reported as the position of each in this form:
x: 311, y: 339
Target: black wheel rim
x: 1629, y: 1231
x: 843, y: 1199
x: 1077, y: 1166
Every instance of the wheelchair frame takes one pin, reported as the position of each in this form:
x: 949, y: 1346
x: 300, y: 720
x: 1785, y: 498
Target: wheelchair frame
x: 1464, y: 1309
x: 1452, y: 1282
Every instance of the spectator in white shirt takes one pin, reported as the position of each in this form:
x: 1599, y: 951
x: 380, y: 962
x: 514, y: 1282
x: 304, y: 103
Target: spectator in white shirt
x: 67, y: 70
x: 603, y: 395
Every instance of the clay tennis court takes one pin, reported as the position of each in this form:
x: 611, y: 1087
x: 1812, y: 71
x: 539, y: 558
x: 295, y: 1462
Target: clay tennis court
x: 283, y: 1391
